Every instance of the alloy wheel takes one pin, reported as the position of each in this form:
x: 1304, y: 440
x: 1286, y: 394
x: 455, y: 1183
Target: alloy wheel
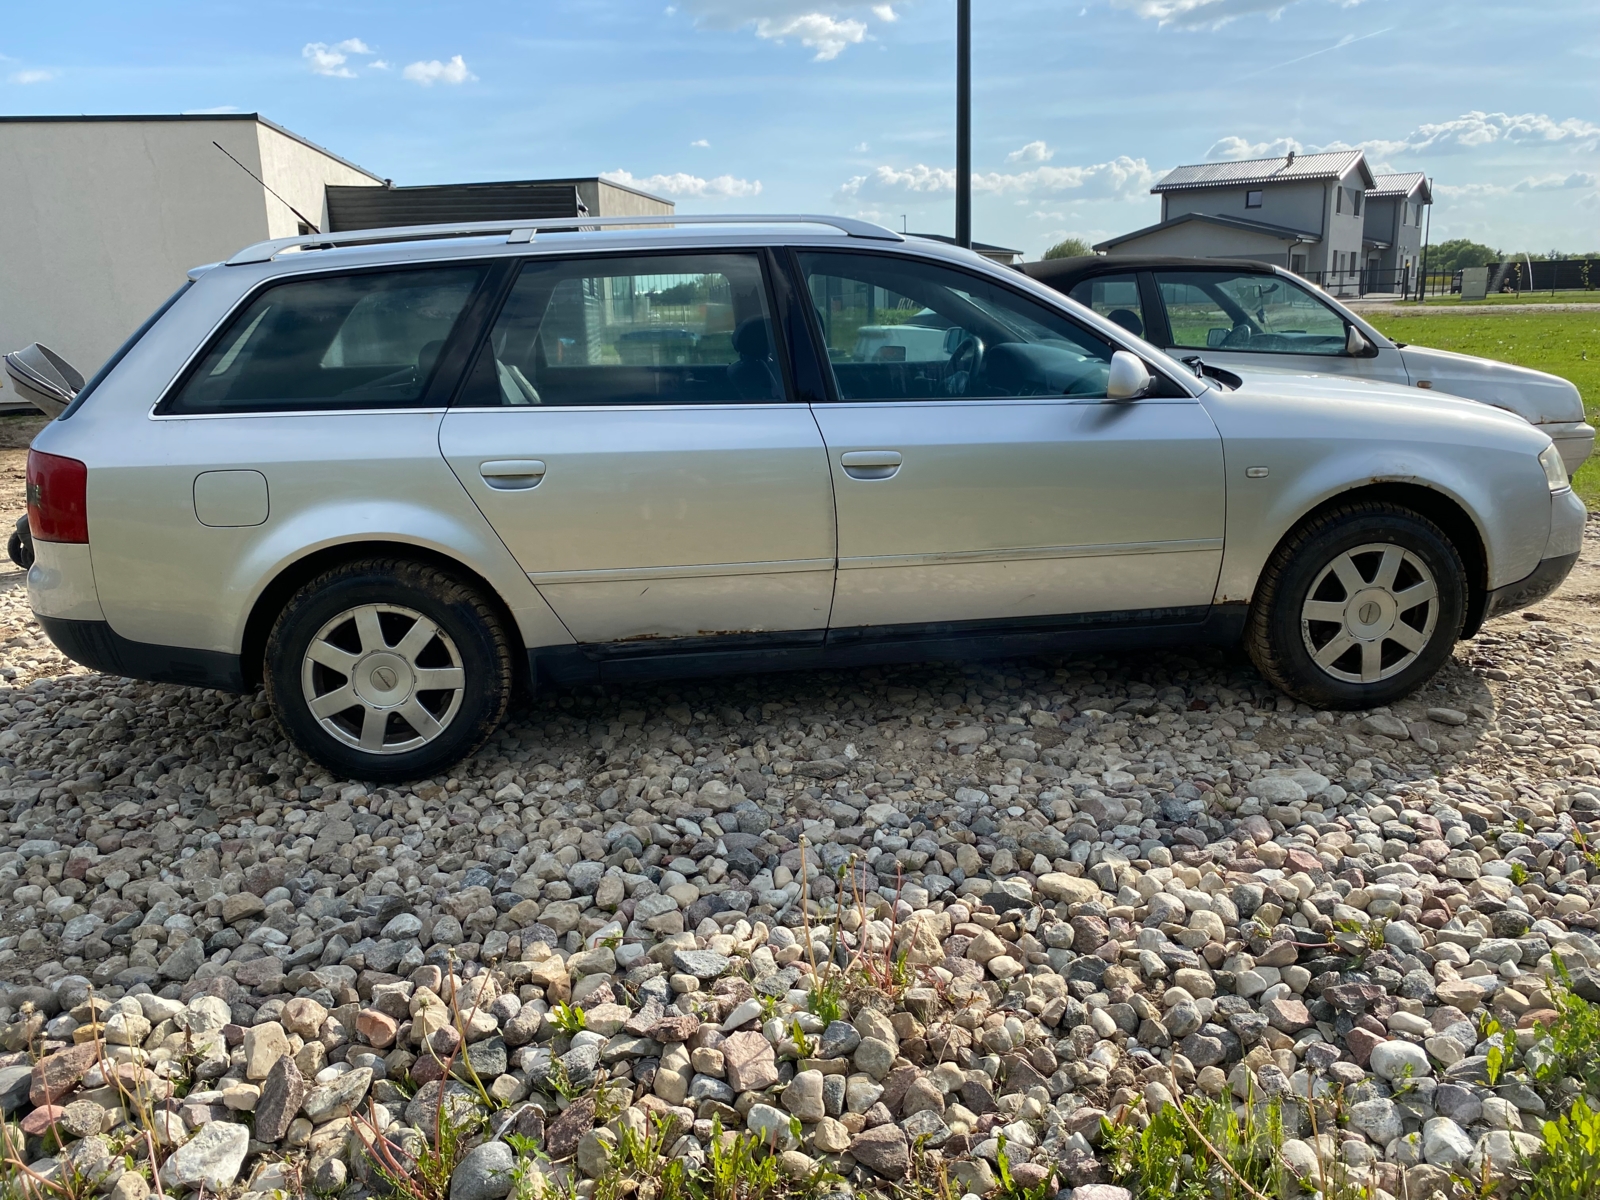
x: 383, y: 679
x: 1370, y: 613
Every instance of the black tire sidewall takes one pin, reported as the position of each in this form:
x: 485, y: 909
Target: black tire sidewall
x: 1418, y: 536
x: 450, y: 606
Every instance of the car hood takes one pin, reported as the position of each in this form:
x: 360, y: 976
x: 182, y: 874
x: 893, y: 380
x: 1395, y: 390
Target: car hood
x: 1291, y: 385
x: 1532, y: 395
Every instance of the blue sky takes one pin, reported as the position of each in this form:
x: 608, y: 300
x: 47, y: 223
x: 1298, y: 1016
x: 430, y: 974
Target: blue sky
x: 784, y: 105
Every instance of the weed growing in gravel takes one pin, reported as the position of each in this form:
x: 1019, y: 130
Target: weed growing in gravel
x: 425, y: 1175
x: 568, y: 1018
x: 1201, y: 1150
x: 1569, y: 1045
x: 1010, y: 1189
x: 1570, y: 1165
x: 739, y: 1167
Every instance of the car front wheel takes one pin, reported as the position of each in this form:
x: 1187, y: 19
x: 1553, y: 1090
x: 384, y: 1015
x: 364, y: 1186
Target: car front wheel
x: 1358, y: 607
x: 388, y: 670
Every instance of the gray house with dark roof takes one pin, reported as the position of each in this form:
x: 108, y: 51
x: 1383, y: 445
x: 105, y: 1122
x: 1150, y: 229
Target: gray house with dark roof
x: 1306, y: 212
x: 1391, y: 241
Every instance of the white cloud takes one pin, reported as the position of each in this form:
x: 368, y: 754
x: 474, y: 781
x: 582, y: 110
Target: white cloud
x: 433, y: 71
x: 34, y: 76
x: 702, y: 143
x: 1032, y: 152
x: 1475, y: 129
x: 1572, y: 181
x: 1207, y: 14
x: 1122, y: 179
x: 816, y: 31
x: 332, y: 60
x: 684, y: 184
x: 206, y: 112
x: 827, y: 28
x: 379, y: 64
x: 1470, y: 131
x: 861, y: 148
x: 1238, y: 147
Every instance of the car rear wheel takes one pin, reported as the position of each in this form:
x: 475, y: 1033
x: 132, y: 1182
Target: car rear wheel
x: 388, y: 670
x: 1358, y: 607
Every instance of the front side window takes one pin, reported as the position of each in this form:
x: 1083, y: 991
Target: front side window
x: 664, y: 329
x: 1252, y: 199
x: 334, y: 342
x: 1115, y: 297
x: 899, y: 329
x: 1259, y: 313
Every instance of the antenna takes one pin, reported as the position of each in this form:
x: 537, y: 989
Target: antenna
x: 309, y: 224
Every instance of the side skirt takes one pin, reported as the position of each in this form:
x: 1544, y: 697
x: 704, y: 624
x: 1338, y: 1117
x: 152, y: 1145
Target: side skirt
x: 802, y: 650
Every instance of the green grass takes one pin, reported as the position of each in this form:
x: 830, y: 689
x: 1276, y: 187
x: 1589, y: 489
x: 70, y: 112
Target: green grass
x: 1564, y: 343
x: 1590, y: 296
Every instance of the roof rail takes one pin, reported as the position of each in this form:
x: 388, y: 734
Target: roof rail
x: 525, y: 231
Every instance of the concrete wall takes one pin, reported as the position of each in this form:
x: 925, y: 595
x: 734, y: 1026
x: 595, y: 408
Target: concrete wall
x: 300, y: 174
x: 605, y: 199
x: 1207, y: 241
x: 1296, y: 206
x: 100, y: 220
x: 1383, y: 223
x: 1340, y: 250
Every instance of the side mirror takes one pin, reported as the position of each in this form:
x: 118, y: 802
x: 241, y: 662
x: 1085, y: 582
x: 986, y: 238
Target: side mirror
x: 1128, y: 379
x: 1355, y: 345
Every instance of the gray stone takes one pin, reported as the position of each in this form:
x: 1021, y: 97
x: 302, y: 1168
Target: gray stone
x: 210, y: 1159
x: 484, y: 1174
x: 1445, y: 1144
x: 282, y: 1092
x: 702, y: 964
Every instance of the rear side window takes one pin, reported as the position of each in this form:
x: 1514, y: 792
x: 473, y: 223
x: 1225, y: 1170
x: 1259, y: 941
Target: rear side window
x: 334, y: 342
x: 664, y: 329
x: 1115, y: 297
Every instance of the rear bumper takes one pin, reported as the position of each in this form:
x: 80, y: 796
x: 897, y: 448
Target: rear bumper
x: 97, y: 646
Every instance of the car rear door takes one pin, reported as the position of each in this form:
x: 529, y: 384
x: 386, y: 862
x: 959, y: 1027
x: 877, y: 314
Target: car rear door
x: 1254, y: 320
x: 985, y: 480
x: 628, y: 430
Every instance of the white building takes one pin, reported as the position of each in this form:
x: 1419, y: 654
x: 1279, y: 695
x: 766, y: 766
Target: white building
x: 101, y: 217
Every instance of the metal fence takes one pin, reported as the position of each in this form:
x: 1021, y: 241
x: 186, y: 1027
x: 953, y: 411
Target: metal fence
x: 1568, y: 274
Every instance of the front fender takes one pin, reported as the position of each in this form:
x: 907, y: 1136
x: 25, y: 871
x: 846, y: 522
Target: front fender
x: 1488, y: 470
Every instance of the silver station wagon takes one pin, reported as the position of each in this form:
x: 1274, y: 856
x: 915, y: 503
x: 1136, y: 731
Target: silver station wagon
x: 392, y: 475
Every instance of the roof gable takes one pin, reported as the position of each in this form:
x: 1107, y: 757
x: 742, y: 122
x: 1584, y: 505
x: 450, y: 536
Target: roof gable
x: 1405, y: 183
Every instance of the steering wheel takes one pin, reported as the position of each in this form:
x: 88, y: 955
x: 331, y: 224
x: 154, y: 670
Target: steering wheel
x: 1238, y: 336
x: 963, y: 366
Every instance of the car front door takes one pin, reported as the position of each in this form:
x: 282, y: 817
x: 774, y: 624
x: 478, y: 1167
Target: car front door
x: 628, y: 432
x: 979, y: 472
x: 1251, y: 320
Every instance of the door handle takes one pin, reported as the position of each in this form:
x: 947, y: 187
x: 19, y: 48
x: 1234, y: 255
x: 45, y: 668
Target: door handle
x: 512, y: 474
x: 870, y: 464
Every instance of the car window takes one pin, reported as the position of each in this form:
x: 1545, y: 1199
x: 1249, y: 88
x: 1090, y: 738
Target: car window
x: 901, y: 329
x: 337, y: 341
x: 1115, y: 297
x: 664, y: 329
x: 1260, y: 313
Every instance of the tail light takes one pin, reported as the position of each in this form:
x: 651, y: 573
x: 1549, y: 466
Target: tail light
x: 57, y: 498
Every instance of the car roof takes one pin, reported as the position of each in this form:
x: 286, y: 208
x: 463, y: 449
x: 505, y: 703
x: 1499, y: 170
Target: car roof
x: 1063, y: 273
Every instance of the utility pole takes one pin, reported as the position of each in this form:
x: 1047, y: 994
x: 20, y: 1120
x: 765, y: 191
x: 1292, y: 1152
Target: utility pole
x: 1422, y: 267
x: 964, y: 123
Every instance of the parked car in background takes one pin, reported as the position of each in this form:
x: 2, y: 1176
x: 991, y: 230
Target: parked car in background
x: 1236, y: 313
x: 387, y: 474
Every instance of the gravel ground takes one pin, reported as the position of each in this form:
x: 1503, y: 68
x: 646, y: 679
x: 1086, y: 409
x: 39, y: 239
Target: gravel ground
x: 1114, y: 879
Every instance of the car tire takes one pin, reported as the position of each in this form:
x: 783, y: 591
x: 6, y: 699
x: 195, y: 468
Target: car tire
x: 1358, y: 607
x: 377, y: 633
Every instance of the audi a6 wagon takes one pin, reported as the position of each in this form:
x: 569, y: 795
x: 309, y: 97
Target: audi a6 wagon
x: 391, y: 475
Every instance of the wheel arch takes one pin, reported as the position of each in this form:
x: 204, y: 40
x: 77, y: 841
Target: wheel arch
x: 275, y: 596
x: 1443, y: 510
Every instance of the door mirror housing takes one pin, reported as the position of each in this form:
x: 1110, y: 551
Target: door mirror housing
x: 1128, y: 379
x: 1356, y: 344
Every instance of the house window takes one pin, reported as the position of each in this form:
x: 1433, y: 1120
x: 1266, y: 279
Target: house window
x: 1405, y: 213
x: 1338, y: 200
x: 1297, y: 263
x: 1355, y: 199
x: 1252, y: 199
